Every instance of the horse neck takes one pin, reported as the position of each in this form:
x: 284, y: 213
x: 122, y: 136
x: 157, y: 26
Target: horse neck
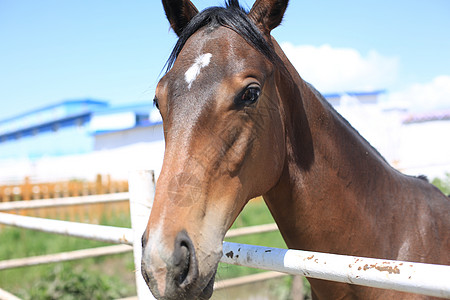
x: 331, y: 174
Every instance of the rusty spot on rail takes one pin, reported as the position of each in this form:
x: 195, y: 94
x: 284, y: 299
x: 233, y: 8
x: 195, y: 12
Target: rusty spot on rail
x: 123, y: 239
x: 389, y: 269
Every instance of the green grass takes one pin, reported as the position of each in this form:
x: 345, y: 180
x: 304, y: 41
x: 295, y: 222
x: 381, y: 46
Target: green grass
x: 38, y: 282
x: 76, y: 283
x: 443, y: 183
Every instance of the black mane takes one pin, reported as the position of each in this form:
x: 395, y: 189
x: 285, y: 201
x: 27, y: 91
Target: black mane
x: 232, y: 16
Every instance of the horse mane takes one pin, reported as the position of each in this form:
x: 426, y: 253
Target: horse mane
x: 344, y: 120
x: 423, y: 177
x: 232, y: 16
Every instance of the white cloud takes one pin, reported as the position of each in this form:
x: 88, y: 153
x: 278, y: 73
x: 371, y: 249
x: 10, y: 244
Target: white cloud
x: 427, y: 96
x: 342, y: 69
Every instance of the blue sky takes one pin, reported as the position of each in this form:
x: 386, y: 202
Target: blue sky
x: 114, y: 50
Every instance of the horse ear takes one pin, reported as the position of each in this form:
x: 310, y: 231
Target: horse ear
x: 179, y: 13
x: 268, y: 14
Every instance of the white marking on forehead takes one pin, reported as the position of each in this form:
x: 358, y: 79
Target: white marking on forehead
x: 192, y: 73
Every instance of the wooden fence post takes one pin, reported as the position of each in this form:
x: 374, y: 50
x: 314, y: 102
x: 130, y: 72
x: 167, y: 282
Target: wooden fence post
x: 297, y: 290
x: 26, y: 189
x: 99, y: 184
x: 4, y: 197
x: 142, y: 192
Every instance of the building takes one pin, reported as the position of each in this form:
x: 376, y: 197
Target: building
x: 75, y: 127
x: 55, y: 130
x: 79, y: 139
x: 126, y: 125
x: 425, y: 146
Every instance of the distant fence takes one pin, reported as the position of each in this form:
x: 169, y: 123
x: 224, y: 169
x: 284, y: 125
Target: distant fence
x: 60, y: 193
x: 29, y: 190
x: 419, y: 278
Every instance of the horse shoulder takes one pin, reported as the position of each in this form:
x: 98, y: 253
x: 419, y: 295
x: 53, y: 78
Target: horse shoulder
x: 425, y: 222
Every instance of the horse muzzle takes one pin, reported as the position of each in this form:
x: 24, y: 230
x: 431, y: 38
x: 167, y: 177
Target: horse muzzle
x: 174, y: 274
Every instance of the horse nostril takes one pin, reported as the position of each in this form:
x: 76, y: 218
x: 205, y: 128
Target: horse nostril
x: 144, y: 239
x: 185, y: 269
x: 184, y: 263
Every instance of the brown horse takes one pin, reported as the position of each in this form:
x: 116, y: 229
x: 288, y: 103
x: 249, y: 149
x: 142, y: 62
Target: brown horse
x: 240, y: 122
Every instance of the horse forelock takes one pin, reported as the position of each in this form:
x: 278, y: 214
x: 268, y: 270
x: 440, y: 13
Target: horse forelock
x: 232, y: 16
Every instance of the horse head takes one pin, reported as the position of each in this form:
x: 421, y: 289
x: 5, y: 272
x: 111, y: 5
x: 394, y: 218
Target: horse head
x: 224, y: 137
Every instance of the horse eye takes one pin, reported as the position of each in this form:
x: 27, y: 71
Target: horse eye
x: 155, y: 102
x: 250, y: 95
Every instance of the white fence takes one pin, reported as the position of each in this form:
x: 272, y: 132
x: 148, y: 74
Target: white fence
x: 418, y: 278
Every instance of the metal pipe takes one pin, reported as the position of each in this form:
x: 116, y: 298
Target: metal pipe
x: 63, y: 256
x: 109, y: 234
x: 4, y: 295
x: 420, y: 278
x: 57, y: 202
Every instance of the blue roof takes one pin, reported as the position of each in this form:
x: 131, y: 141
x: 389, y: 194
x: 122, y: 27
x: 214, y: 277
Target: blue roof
x: 71, y: 121
x: 138, y: 108
x: 49, y: 114
x: 355, y: 94
x: 58, y: 104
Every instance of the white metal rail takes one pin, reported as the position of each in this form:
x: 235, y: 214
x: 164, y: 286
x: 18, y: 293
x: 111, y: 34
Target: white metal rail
x: 109, y: 234
x: 63, y: 256
x: 92, y: 199
x: 426, y: 279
